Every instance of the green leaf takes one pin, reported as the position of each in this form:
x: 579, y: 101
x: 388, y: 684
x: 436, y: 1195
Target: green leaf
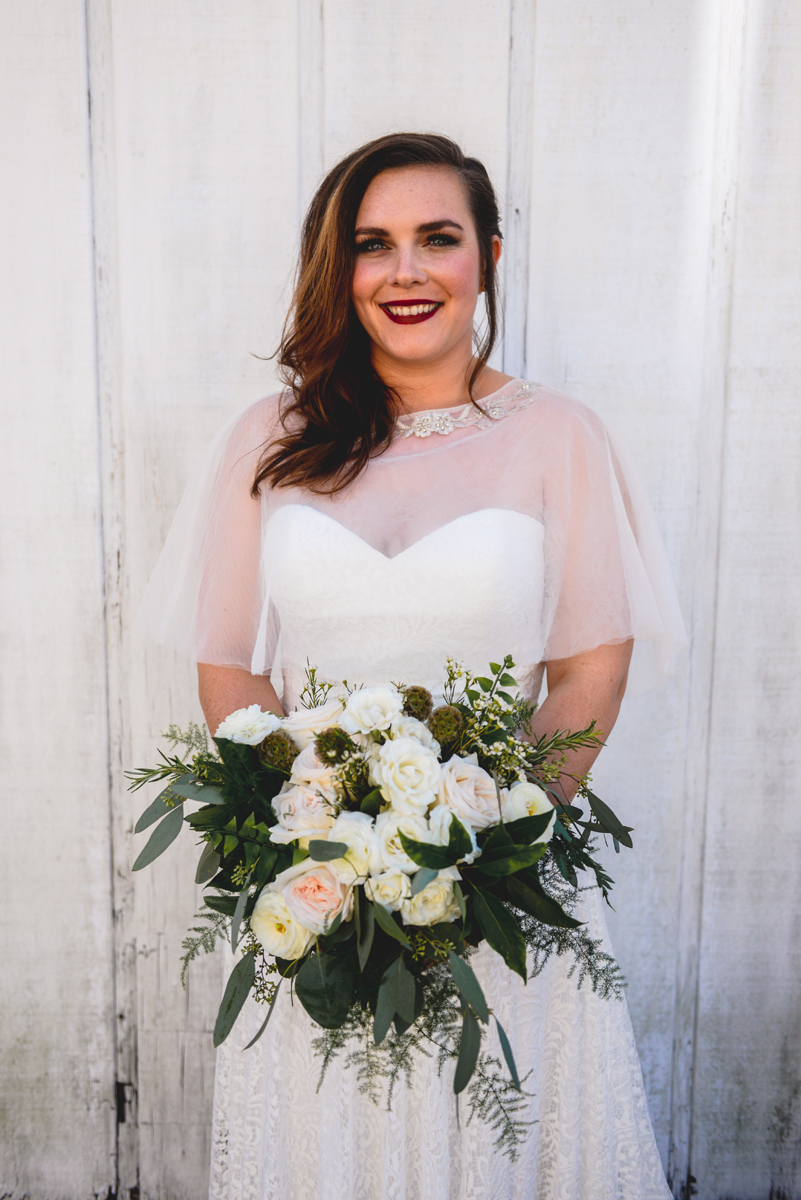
x: 495, y: 668
x: 325, y: 986
x: 469, y: 1046
x: 384, y: 918
x: 426, y: 855
x: 238, y: 912
x: 403, y: 991
x: 155, y: 811
x: 322, y: 851
x: 208, y: 865
x: 526, y: 829
x: 538, y: 905
x: 221, y: 904
x: 523, y: 856
x: 264, y: 867
x: 364, y: 942
x: 237, y: 990
x: 465, y: 979
x: 458, y: 896
x: 385, y: 1006
x: 604, y: 816
x: 162, y: 836
x: 459, y: 841
x: 422, y: 878
x: 372, y: 802
x: 484, y: 683
x: 507, y: 680
x: 206, y: 793
x: 501, y: 931
x: 253, y: 1041
x: 507, y: 1054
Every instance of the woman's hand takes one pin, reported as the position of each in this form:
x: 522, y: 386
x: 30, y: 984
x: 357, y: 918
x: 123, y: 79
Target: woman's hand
x: 581, y: 689
x: 223, y: 690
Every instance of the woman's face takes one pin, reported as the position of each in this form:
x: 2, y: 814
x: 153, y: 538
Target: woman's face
x: 418, y: 268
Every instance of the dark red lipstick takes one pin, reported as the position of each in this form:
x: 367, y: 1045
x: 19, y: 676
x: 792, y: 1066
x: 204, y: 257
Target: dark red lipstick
x: 433, y: 306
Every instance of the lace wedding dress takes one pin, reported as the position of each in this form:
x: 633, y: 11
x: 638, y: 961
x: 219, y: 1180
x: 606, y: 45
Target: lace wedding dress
x: 516, y: 529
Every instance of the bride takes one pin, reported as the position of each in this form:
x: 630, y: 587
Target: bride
x: 402, y: 502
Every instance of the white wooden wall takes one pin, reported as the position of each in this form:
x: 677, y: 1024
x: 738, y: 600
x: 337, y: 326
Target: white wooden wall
x: 157, y: 156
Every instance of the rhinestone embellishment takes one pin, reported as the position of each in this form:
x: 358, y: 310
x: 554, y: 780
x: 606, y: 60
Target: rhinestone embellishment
x: 445, y: 420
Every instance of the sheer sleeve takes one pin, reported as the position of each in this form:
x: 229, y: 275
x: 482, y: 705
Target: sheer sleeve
x: 207, y: 597
x: 607, y: 576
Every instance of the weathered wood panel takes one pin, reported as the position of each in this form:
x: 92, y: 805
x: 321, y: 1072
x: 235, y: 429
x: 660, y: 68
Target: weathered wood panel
x: 56, y: 987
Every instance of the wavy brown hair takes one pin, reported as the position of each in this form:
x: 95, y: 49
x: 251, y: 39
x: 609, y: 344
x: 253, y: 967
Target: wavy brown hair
x: 340, y: 412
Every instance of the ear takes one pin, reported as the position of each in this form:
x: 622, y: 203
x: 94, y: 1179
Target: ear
x: 496, y: 254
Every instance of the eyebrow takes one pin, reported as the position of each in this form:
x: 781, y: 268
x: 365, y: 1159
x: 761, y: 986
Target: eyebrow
x: 428, y: 227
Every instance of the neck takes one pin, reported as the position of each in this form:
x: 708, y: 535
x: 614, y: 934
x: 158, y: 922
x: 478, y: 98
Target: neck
x: 440, y: 384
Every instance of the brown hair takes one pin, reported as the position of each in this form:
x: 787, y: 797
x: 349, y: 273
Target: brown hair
x: 340, y: 412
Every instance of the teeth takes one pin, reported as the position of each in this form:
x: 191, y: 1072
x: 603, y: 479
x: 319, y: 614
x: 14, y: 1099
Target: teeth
x: 410, y: 310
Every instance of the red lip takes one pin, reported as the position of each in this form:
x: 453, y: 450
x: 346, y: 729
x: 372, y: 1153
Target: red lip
x: 410, y: 320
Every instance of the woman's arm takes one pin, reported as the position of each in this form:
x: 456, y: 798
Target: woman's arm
x: 223, y: 690
x: 587, y: 687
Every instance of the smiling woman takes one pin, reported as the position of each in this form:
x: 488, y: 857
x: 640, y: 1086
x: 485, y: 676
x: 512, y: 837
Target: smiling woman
x: 400, y: 503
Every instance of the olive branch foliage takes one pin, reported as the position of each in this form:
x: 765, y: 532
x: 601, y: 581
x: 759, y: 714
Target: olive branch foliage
x: 383, y: 993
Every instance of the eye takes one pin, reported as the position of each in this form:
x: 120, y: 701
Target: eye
x: 442, y: 239
x: 370, y: 244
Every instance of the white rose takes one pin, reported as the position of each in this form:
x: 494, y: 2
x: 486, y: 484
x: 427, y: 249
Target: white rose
x: 371, y: 708
x: 248, y: 725
x: 407, y: 774
x: 528, y: 800
x: 313, y: 894
x: 304, y: 724
x: 390, y: 889
x: 433, y: 903
x: 388, y: 827
x: 439, y: 821
x: 302, y: 811
x: 311, y: 771
x: 405, y: 726
x: 276, y: 930
x: 469, y: 791
x: 357, y: 831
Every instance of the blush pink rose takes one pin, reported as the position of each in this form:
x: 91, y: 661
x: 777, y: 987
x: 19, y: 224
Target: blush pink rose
x: 313, y: 894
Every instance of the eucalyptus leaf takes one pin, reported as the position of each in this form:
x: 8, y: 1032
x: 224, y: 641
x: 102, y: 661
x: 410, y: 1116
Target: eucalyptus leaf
x: 501, y: 931
x: 162, y: 836
x: 221, y: 904
x: 384, y: 918
x: 605, y: 817
x: 526, y: 829
x: 264, y: 867
x: 507, y: 864
x: 156, y: 810
x: 465, y: 979
x: 404, y: 995
x: 385, y: 1006
x: 206, y: 793
x: 422, y: 879
x: 208, y: 865
x: 238, y: 913
x: 469, y: 1046
x: 365, y: 934
x: 458, y: 896
x: 322, y: 851
x: 253, y: 1041
x: 237, y: 990
x: 538, y: 905
x: 324, y: 986
x: 507, y: 1053
x: 426, y: 855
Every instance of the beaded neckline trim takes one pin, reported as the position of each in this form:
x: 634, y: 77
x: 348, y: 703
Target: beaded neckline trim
x: 444, y: 420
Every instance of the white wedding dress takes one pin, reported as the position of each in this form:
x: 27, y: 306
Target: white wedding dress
x: 477, y: 534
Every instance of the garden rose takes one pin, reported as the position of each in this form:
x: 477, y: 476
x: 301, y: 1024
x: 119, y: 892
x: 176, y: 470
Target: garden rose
x: 469, y: 791
x: 388, y: 826
x: 302, y: 811
x: 435, y: 902
x: 407, y: 774
x: 313, y: 894
x: 439, y: 822
x: 248, y: 725
x: 390, y: 888
x: 526, y: 799
x: 275, y: 929
x: 371, y: 708
x: 405, y: 726
x: 357, y: 831
x: 310, y: 771
x: 304, y: 724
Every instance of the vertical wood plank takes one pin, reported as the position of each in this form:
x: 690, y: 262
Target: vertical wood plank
x: 517, y: 225
x: 56, y: 1054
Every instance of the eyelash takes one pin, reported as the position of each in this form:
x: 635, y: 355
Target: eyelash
x: 443, y: 239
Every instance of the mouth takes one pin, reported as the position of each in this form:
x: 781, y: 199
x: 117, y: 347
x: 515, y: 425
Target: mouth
x: 411, y: 312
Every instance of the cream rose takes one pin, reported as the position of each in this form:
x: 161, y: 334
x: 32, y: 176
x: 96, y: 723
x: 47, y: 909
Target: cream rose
x: 302, y: 811
x: 405, y: 726
x: 304, y: 724
x: 469, y: 791
x: 312, y: 772
x: 433, y: 903
x: 388, y: 827
x: 314, y: 895
x: 371, y: 708
x: 357, y: 831
x: 439, y: 823
x: 407, y: 774
x: 390, y: 888
x: 526, y: 799
x: 276, y: 930
x: 248, y: 725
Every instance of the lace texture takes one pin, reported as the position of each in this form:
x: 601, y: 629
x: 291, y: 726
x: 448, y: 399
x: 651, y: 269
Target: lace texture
x: 445, y: 420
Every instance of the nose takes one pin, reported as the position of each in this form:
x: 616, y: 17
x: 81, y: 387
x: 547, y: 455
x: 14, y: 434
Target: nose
x: 407, y: 268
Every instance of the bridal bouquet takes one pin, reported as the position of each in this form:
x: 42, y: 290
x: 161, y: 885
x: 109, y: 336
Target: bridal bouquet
x: 362, y: 847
